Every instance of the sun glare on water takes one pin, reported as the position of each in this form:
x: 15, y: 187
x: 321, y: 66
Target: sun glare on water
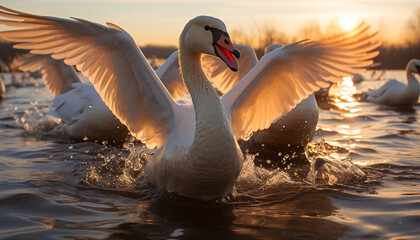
x: 344, y: 100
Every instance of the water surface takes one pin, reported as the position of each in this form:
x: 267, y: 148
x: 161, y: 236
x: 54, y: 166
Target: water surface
x: 365, y: 183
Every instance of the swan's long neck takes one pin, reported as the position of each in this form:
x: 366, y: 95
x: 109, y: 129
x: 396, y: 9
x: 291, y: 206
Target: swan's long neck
x: 412, y: 82
x: 209, y: 112
x: 214, y: 157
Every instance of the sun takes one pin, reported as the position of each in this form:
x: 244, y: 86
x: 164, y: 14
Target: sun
x: 347, y: 22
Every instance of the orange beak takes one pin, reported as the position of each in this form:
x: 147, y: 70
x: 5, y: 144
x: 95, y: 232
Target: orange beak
x: 224, y: 48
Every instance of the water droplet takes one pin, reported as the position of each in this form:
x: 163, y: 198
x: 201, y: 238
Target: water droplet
x: 350, y: 142
x: 90, y: 106
x: 268, y: 161
x: 85, y: 138
x: 70, y: 147
x: 262, y: 145
x: 279, y: 154
x: 257, y: 154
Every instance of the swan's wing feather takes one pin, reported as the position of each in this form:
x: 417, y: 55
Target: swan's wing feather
x: 171, y: 77
x: 221, y: 76
x: 57, y: 76
x: 111, y: 60
x: 286, y: 76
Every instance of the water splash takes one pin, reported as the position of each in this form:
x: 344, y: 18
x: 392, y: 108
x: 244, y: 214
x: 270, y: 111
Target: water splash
x: 331, y: 165
x: 253, y: 176
x: 41, y: 125
x: 120, y: 171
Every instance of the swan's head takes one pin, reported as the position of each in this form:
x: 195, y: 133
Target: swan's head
x: 272, y: 47
x: 413, y: 66
x: 208, y: 35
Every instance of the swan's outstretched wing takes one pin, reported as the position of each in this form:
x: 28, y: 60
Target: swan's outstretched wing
x: 57, y: 76
x: 112, y: 61
x: 286, y: 76
x: 171, y: 77
x: 221, y: 76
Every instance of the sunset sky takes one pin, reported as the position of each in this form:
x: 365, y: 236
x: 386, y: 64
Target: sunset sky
x: 160, y: 22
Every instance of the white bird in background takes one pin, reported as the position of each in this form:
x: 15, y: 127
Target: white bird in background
x: 397, y: 93
x: 198, y: 154
x: 77, y: 104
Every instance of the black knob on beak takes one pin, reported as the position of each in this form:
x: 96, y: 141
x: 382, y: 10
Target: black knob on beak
x: 236, y: 53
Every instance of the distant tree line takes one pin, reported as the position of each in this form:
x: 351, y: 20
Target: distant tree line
x: 397, y: 56
x: 157, y: 51
x: 390, y: 57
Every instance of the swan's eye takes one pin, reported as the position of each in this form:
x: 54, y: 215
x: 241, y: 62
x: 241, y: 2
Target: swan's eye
x: 206, y: 27
x: 227, y: 42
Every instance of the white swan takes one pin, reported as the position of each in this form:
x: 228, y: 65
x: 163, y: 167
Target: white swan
x: 78, y: 105
x: 197, y: 154
x: 397, y: 93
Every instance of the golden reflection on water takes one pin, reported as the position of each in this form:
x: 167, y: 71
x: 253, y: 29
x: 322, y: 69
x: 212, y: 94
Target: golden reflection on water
x: 345, y: 101
x: 349, y: 108
x: 344, y: 97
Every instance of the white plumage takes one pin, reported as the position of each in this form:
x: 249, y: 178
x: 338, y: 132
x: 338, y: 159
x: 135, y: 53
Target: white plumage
x: 397, y: 93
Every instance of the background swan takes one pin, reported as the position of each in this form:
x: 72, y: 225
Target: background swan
x: 77, y: 104
x: 198, y: 154
x: 397, y: 93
